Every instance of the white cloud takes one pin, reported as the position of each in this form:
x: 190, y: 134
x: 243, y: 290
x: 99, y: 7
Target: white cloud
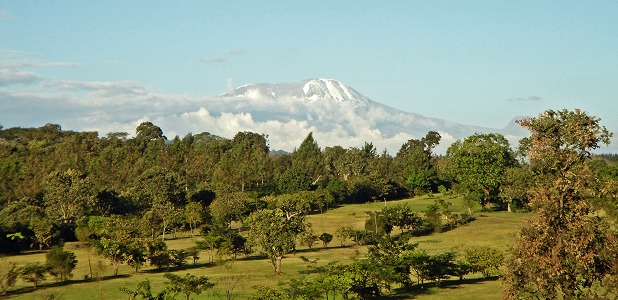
x: 529, y: 98
x: 4, y: 15
x: 226, y: 57
x: 12, y: 76
x: 120, y: 106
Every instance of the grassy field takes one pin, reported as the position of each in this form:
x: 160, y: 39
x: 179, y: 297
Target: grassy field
x: 238, y: 277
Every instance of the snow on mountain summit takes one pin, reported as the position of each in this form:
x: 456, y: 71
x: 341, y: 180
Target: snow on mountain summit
x: 329, y: 89
x: 310, y: 90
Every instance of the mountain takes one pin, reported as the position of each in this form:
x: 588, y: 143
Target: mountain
x: 337, y: 114
x: 312, y: 90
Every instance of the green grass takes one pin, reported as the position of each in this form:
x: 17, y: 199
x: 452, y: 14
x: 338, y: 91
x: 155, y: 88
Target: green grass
x: 495, y: 229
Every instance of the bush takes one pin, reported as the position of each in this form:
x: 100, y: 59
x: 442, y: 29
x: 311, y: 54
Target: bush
x: 343, y: 233
x: 484, y: 259
x: 362, y: 237
x: 326, y: 238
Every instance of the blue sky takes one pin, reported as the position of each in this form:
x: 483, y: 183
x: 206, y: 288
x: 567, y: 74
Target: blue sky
x: 473, y: 62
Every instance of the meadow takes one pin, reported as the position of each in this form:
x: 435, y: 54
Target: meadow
x: 235, y: 279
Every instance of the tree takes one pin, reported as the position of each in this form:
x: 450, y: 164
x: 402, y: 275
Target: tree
x: 308, y: 238
x: 144, y: 291
x: 146, y: 131
x: 266, y: 293
x: 44, y: 231
x: 119, y: 239
x: 68, y: 195
x: 61, y: 263
x: 114, y: 250
x: 134, y: 255
x: 416, y: 161
x: 8, y: 278
x: 304, y: 289
x: 159, y: 255
x: 432, y: 267
x: 434, y: 218
x: 228, y: 207
x: 167, y: 214
x: 294, y: 204
x: 161, y: 192
x: 402, y: 216
x: 274, y: 233
x: 376, y: 223
x: 514, y: 188
x: 188, y: 284
x: 34, y: 272
x: 194, y: 212
x: 326, y: 238
x: 308, y: 157
x: 484, y: 259
x: 565, y: 252
x: 293, y: 181
x: 478, y: 164
x: 388, y: 254
x: 243, y: 163
x: 343, y: 233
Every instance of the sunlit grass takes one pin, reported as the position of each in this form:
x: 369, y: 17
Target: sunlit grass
x: 495, y: 229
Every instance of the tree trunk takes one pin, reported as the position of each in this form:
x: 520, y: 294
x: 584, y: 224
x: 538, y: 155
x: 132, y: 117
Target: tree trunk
x: 278, y: 264
x: 508, y: 206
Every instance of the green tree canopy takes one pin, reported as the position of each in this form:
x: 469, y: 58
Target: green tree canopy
x: 61, y: 263
x: 416, y: 162
x: 272, y: 231
x: 68, y: 196
x: 308, y: 157
x: 478, y: 164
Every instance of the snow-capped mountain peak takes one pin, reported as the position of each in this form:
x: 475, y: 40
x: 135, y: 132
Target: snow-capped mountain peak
x: 310, y: 90
x: 329, y: 89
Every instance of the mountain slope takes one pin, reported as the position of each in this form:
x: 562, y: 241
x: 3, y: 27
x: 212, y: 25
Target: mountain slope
x: 338, y: 114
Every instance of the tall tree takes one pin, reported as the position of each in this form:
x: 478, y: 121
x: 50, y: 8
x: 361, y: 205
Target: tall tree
x: 147, y: 131
x: 308, y: 157
x: 275, y: 233
x: 479, y: 162
x: 243, y: 163
x: 416, y: 160
x: 565, y: 252
x: 68, y: 196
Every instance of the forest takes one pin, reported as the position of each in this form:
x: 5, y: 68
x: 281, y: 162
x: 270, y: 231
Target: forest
x: 128, y: 198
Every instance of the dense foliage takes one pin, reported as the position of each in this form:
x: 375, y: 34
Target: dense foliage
x: 125, y: 196
x: 565, y: 252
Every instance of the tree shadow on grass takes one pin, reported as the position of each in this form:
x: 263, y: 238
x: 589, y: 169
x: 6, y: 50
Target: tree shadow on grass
x: 318, y: 249
x: 46, y: 285
x: 179, y: 268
